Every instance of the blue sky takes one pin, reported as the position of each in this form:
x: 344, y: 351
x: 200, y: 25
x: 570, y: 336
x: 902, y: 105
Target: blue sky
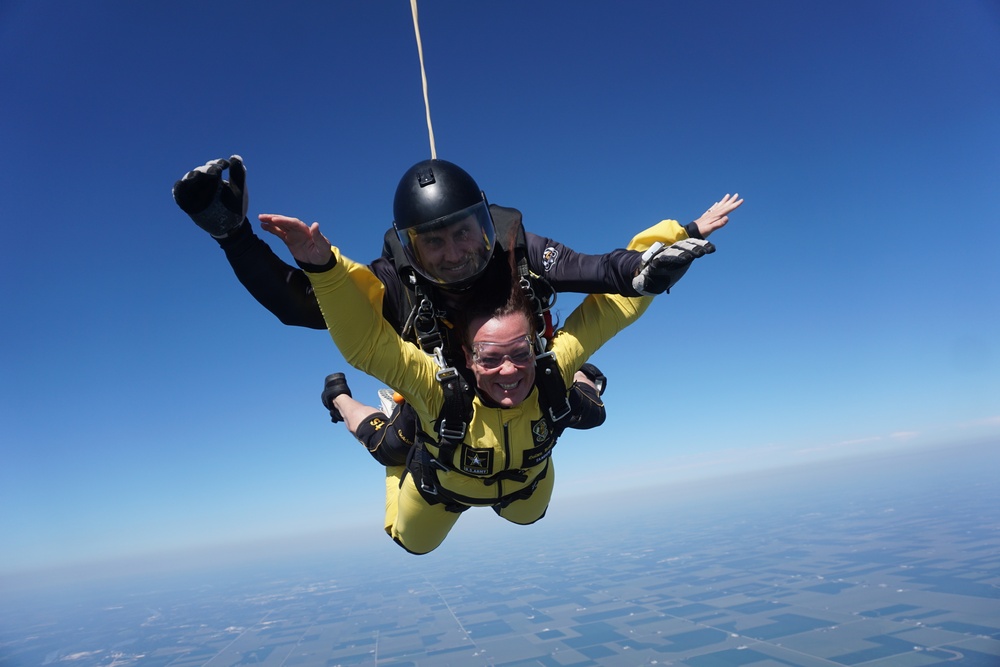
x: 149, y: 404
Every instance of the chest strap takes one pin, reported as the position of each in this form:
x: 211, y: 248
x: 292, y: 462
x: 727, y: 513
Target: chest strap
x: 423, y: 321
x: 452, y: 423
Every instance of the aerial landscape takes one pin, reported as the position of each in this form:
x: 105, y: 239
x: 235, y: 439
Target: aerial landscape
x: 886, y: 561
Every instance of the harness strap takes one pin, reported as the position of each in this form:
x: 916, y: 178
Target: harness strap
x: 504, y: 475
x: 456, y: 411
x: 552, y: 394
x: 425, y: 322
x: 424, y: 468
x: 524, y: 493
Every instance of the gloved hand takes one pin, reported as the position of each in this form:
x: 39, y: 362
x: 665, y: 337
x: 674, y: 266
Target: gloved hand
x: 215, y: 205
x: 662, y: 266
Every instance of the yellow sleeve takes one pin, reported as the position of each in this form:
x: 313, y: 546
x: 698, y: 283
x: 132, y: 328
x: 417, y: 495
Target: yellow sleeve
x: 591, y: 325
x: 350, y: 297
x: 665, y: 231
x: 601, y: 316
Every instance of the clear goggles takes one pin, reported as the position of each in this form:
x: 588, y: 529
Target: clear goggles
x: 489, y: 356
x: 453, y: 249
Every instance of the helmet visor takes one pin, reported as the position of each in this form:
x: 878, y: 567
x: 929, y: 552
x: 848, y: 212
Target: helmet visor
x: 453, y: 249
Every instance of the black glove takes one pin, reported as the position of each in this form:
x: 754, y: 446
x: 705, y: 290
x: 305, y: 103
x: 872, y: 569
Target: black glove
x: 334, y: 385
x: 662, y: 266
x: 215, y: 205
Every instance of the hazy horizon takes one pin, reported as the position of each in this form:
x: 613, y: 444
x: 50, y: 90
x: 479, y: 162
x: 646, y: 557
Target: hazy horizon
x: 880, y: 560
x: 340, y: 541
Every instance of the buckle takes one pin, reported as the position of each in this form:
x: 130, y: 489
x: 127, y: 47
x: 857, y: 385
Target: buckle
x: 437, y: 465
x: 563, y: 414
x: 429, y: 341
x: 425, y: 325
x: 446, y: 374
x: 550, y: 355
x: 446, y: 433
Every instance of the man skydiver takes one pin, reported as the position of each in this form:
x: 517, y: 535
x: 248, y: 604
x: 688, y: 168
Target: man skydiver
x: 446, y: 239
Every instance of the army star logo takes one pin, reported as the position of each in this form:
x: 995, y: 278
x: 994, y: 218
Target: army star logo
x: 477, y: 461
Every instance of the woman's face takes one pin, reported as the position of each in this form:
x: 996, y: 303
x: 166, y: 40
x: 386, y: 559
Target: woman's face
x: 502, y: 359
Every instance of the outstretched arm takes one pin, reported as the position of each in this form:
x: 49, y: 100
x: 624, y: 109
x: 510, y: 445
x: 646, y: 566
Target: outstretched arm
x: 664, y: 262
x: 352, y: 292
x: 281, y: 288
x: 219, y: 206
x: 613, y: 273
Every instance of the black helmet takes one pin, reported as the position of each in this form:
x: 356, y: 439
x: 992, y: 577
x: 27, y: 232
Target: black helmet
x: 443, y: 220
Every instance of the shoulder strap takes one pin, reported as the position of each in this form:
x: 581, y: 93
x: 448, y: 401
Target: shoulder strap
x: 456, y: 412
x: 552, y: 395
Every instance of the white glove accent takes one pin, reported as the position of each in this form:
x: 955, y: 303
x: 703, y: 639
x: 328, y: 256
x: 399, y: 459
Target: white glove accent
x: 662, y: 266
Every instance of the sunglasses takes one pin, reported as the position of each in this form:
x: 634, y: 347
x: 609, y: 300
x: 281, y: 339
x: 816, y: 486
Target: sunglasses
x: 492, y: 355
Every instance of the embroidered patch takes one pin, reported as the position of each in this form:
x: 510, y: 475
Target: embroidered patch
x: 545, y: 440
x: 541, y: 431
x: 477, y: 461
x: 549, y: 258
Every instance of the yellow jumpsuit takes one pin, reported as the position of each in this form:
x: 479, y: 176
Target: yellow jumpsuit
x: 498, y: 439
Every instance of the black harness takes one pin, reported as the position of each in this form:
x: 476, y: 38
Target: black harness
x: 423, y: 325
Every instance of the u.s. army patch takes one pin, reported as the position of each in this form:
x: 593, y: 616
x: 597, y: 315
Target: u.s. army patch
x: 477, y: 461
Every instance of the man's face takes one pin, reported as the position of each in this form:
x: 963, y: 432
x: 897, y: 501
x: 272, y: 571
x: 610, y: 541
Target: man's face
x: 453, y: 253
x: 502, y: 358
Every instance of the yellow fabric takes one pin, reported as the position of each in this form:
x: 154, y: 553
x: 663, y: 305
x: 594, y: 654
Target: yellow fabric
x: 665, y: 231
x: 421, y: 528
x: 393, y: 475
x: 368, y: 343
x: 350, y: 297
